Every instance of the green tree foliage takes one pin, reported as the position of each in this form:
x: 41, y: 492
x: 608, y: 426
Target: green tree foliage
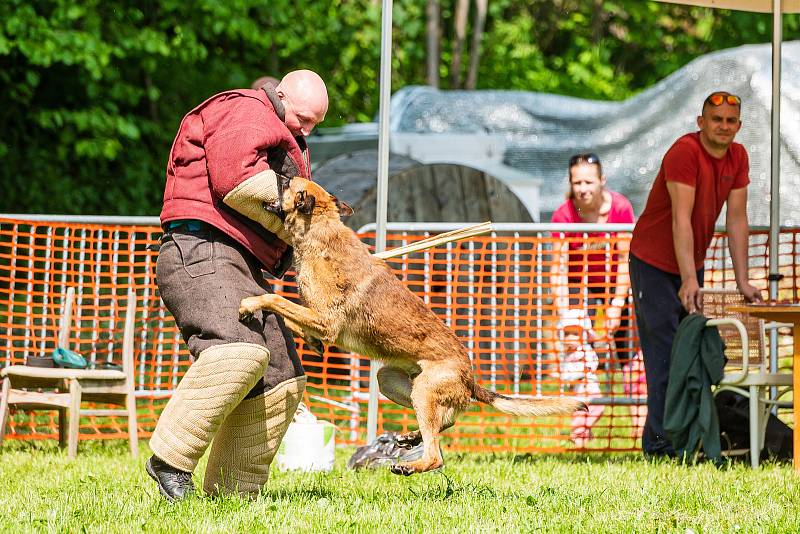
x: 91, y: 92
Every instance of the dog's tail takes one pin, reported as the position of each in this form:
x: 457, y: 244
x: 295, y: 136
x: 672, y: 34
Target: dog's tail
x: 527, y: 407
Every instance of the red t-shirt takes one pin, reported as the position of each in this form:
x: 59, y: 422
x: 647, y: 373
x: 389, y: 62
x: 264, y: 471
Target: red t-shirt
x: 621, y: 212
x: 688, y: 162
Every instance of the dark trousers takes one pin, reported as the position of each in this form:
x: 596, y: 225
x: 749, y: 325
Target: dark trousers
x: 202, y: 276
x: 658, y: 313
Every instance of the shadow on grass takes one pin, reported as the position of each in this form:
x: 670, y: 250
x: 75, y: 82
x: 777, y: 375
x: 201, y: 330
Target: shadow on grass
x: 561, y: 457
x: 314, y: 493
x: 446, y: 489
x: 50, y: 446
x: 633, y: 458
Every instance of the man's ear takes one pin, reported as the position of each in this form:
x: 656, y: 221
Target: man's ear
x: 344, y: 209
x: 304, y: 203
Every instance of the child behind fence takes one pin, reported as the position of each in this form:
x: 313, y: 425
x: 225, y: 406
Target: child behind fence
x: 578, y: 368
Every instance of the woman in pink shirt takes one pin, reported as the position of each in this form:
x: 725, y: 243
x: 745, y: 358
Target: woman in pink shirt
x: 592, y: 269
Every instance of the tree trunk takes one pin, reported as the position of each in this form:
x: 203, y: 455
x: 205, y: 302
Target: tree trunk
x: 477, y: 37
x: 273, y: 61
x: 461, y: 15
x: 597, y: 21
x: 432, y: 33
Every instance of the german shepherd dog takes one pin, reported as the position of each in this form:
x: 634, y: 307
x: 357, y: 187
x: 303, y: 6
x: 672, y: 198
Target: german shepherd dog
x: 353, y: 300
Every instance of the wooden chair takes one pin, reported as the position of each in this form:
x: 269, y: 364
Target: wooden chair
x: 748, y: 371
x: 65, y: 389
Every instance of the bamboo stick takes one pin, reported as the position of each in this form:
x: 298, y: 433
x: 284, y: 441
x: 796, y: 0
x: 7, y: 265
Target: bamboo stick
x: 440, y: 239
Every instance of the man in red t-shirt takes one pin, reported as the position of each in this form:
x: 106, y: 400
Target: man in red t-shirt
x: 699, y: 173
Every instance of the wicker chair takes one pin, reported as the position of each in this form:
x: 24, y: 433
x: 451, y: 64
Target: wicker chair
x: 748, y: 370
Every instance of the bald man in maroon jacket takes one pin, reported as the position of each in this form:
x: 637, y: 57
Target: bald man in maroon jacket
x: 246, y: 380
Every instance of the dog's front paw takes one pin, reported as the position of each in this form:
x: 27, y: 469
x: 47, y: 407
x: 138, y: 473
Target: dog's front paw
x: 247, y: 308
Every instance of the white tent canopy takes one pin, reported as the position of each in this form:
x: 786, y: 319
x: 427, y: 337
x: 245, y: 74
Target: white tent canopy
x: 757, y: 6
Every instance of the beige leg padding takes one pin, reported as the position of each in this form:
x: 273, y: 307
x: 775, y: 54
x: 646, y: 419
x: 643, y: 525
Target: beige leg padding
x: 249, y: 438
x: 212, y: 387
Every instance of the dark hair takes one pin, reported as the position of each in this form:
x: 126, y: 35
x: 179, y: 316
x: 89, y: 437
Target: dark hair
x: 588, y: 157
x: 585, y: 157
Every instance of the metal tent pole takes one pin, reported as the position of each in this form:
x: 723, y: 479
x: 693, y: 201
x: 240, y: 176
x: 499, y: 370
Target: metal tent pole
x: 775, y: 178
x: 383, y: 187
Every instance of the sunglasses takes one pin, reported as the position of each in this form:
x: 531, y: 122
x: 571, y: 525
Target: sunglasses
x: 717, y: 99
x: 589, y: 158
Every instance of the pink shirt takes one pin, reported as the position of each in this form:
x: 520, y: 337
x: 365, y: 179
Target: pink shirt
x: 621, y: 212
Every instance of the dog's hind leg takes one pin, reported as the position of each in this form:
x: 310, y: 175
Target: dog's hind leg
x: 438, y: 393
x: 396, y: 384
x: 429, y: 418
x: 411, y: 439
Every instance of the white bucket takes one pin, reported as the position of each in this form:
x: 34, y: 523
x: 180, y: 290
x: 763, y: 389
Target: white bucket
x: 307, y: 447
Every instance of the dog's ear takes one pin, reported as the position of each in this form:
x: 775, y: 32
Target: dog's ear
x: 344, y: 209
x: 304, y: 203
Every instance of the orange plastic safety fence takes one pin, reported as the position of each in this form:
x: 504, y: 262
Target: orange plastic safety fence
x: 502, y: 294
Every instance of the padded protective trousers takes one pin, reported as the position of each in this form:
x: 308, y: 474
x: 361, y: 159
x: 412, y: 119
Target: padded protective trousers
x: 213, y: 386
x: 249, y: 438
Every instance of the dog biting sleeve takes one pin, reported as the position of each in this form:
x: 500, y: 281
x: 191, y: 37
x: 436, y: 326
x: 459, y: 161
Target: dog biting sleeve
x: 248, y: 198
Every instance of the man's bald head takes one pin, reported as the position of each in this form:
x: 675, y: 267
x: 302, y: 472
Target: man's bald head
x: 305, y: 98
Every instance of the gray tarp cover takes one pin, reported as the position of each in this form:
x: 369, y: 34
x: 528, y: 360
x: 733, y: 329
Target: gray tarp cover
x: 543, y: 130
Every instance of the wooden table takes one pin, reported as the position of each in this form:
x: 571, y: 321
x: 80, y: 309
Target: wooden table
x: 783, y: 313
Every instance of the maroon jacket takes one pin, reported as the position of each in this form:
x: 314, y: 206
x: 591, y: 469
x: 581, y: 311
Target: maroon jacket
x: 220, y: 144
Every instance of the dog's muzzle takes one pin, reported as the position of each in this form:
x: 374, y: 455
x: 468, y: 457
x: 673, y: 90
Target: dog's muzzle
x: 276, y: 207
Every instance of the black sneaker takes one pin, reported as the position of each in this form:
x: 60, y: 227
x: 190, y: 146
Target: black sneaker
x: 173, y: 483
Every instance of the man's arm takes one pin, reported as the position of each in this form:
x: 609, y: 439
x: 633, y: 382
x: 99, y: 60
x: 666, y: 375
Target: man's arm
x: 738, y: 242
x: 682, y: 198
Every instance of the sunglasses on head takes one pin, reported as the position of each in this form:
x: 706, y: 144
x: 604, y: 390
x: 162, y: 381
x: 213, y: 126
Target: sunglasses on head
x: 589, y: 158
x: 717, y: 99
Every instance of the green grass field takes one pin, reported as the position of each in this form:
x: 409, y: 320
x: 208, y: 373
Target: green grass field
x: 104, y: 490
